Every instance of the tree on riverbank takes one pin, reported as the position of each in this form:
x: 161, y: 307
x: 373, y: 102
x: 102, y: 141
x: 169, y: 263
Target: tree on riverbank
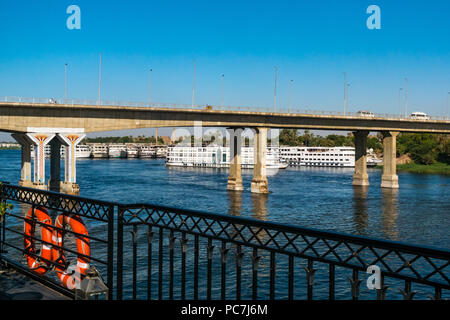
x: 423, y: 148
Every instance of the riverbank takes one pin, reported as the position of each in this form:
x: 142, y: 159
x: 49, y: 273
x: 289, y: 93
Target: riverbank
x: 435, y: 168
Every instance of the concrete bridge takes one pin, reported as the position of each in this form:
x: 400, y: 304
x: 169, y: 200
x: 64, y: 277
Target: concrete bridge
x: 65, y: 124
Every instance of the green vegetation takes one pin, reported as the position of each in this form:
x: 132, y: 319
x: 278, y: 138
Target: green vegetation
x: 290, y: 137
x: 125, y: 139
x: 430, y: 152
x: 424, y: 148
x: 435, y: 168
x: 4, y: 208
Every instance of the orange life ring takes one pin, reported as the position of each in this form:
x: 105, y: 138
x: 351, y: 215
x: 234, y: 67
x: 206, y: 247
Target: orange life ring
x: 76, y: 224
x: 40, y: 264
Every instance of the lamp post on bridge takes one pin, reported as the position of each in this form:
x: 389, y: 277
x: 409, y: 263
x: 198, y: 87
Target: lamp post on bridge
x: 275, y: 93
x: 448, y: 96
x: 99, y: 78
x: 65, y: 73
x: 348, y: 86
x: 400, y: 102
x: 222, y: 88
x: 150, y: 89
x: 193, y: 88
x: 290, y: 94
x: 406, y: 98
x: 345, y: 91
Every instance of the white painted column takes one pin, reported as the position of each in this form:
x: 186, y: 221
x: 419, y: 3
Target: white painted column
x: 70, y: 142
x: 40, y: 140
x: 25, y: 172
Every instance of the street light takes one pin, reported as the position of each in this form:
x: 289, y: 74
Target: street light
x: 99, y: 77
x: 348, y: 85
x: 150, y: 89
x: 65, y: 72
x: 448, y: 95
x: 345, y: 90
x: 222, y: 88
x: 275, y: 92
x: 193, y: 87
x: 406, y: 98
x: 290, y: 94
x: 400, y: 102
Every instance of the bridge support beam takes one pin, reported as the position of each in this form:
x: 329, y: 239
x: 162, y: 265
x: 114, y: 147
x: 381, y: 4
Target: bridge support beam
x: 360, y: 177
x: 40, y: 140
x: 389, y: 179
x: 70, y: 142
x: 259, y: 181
x: 235, y: 177
x: 25, y: 172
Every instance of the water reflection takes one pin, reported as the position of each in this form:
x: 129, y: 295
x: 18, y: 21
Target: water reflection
x: 235, y: 199
x: 360, y: 208
x: 259, y: 209
x: 259, y: 206
x: 389, y: 203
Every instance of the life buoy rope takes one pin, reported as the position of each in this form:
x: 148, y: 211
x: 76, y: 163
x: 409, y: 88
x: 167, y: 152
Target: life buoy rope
x: 39, y: 264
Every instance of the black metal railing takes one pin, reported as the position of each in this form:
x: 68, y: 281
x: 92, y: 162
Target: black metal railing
x: 230, y: 257
x: 156, y: 252
x: 98, y: 216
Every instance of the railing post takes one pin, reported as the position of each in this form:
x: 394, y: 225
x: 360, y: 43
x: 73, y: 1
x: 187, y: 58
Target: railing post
x: 110, y: 277
x: 119, y: 252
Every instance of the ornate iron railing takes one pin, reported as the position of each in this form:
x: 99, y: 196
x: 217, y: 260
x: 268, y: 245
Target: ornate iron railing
x: 156, y: 252
x: 279, y: 252
x: 98, y: 216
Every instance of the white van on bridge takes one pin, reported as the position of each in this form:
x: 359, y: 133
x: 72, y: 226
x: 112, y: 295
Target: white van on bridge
x: 419, y: 116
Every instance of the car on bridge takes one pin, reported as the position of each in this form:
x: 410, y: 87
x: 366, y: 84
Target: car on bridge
x: 419, y: 116
x: 365, y: 113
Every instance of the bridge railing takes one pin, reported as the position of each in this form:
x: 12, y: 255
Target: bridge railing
x: 40, y: 101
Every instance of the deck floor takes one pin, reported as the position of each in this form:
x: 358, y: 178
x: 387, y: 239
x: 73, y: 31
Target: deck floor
x: 16, y: 286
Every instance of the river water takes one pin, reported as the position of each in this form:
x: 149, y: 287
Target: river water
x: 320, y: 198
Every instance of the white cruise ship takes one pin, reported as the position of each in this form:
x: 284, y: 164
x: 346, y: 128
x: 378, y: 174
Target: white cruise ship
x: 147, y: 152
x: 117, y: 151
x: 217, y: 157
x: 318, y: 156
x: 132, y: 151
x: 324, y: 156
x: 82, y: 151
x: 99, y: 150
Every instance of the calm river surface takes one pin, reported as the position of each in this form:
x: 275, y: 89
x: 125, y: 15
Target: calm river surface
x: 419, y: 212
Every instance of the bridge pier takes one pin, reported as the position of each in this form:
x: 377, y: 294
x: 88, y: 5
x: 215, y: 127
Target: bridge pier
x: 54, y: 184
x: 389, y: 179
x: 70, y: 142
x: 40, y: 140
x: 360, y: 177
x: 259, y: 181
x: 235, y: 177
x: 25, y: 172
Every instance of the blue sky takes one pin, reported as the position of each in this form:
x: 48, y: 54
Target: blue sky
x: 310, y: 42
